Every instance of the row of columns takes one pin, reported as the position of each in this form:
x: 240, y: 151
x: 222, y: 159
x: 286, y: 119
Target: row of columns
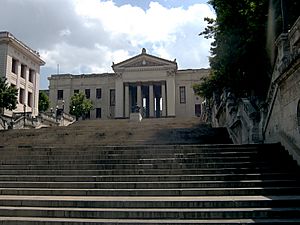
x: 151, y: 94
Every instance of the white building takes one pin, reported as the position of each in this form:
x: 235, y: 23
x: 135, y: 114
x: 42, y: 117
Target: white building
x: 21, y: 67
x: 152, y: 83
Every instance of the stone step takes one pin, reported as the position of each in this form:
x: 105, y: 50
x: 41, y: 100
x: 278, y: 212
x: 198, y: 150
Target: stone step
x: 151, y: 213
x: 129, y: 155
x: 154, y: 192
x: 152, y: 185
x: 80, y: 221
x: 150, y: 170
x: 130, y: 169
x: 151, y: 202
x: 148, y: 177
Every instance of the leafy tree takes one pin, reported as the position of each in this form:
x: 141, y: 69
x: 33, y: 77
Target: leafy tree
x: 239, y: 58
x: 80, y: 106
x: 8, y: 95
x: 44, y: 102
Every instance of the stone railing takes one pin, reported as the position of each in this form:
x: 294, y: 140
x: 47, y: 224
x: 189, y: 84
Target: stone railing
x: 240, y: 117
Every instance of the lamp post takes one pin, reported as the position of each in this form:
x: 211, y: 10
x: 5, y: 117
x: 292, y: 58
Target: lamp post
x: 24, y: 109
x: 56, y: 111
x: 63, y: 110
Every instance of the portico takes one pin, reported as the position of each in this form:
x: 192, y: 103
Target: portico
x: 148, y: 82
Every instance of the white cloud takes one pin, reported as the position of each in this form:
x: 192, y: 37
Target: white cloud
x: 87, y: 36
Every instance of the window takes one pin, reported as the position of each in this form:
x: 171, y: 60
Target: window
x: 98, y: 112
x: 14, y: 66
x: 60, y: 94
x: 76, y: 91
x: 182, y: 95
x: 87, y: 93
x: 112, y: 97
x: 98, y: 93
x: 88, y: 115
x: 23, y: 71
x: 31, y: 75
x: 198, y: 110
x: 21, y: 96
x: 29, y: 100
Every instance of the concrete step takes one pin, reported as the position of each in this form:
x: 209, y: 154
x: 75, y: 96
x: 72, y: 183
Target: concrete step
x: 149, y: 177
x: 80, y: 221
x: 154, y: 192
x: 152, y: 185
x: 151, y: 213
x: 152, y: 202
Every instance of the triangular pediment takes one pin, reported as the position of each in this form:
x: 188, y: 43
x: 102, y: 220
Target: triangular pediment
x: 144, y: 60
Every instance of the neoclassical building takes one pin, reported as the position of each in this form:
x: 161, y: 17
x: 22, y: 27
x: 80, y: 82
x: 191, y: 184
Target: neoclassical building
x: 20, y: 65
x: 153, y: 84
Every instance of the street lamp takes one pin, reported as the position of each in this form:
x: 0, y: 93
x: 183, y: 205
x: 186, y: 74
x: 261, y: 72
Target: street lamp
x: 24, y: 109
x: 56, y: 112
x: 62, y: 113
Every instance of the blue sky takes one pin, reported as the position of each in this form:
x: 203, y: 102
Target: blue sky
x: 86, y: 36
x: 166, y: 3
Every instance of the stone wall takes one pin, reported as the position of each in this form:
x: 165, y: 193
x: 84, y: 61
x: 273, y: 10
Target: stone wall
x: 281, y: 122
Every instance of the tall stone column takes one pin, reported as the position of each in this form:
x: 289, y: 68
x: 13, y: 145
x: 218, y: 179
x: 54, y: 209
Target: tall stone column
x: 119, y: 107
x: 163, y: 96
x: 139, y: 95
x: 151, y: 101
x: 126, y: 100
x: 171, y: 92
x: 26, y: 87
x: 36, y: 82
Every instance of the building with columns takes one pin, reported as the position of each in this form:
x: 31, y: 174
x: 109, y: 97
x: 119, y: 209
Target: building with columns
x: 20, y: 65
x: 153, y: 84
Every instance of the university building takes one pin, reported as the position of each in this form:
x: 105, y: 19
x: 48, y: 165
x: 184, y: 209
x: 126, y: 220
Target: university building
x: 20, y: 65
x: 153, y: 84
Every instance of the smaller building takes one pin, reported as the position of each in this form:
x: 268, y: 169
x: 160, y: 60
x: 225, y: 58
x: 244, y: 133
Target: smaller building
x: 20, y: 65
x: 153, y: 84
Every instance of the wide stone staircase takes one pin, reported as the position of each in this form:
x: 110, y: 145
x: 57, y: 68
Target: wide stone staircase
x: 154, y: 172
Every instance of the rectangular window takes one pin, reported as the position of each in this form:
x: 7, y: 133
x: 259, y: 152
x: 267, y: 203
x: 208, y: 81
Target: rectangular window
x: 112, y: 95
x: 29, y: 100
x: 88, y: 115
x: 21, y: 96
x: 14, y: 66
x: 98, y: 113
x: 31, y: 75
x: 23, y: 71
x: 182, y: 95
x: 76, y: 91
x: 197, y: 110
x: 98, y: 93
x: 60, y: 94
x: 87, y: 93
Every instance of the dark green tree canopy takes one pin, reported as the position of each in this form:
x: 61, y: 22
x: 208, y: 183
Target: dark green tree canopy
x: 8, y: 95
x: 44, y: 102
x: 80, y: 106
x: 239, y: 58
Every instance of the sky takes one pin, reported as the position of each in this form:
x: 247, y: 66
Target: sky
x: 87, y: 36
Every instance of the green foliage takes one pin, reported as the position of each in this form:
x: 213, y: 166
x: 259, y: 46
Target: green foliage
x: 239, y: 58
x: 8, y: 95
x: 44, y: 102
x: 80, y: 106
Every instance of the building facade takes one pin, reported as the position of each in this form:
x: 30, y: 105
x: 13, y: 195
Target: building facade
x: 152, y: 84
x: 20, y: 65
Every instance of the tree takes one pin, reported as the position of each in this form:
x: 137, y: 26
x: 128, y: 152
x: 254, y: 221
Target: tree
x: 8, y: 95
x: 44, y: 102
x: 80, y: 106
x: 240, y: 60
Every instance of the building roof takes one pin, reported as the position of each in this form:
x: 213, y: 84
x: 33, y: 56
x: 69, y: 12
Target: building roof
x: 6, y: 36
